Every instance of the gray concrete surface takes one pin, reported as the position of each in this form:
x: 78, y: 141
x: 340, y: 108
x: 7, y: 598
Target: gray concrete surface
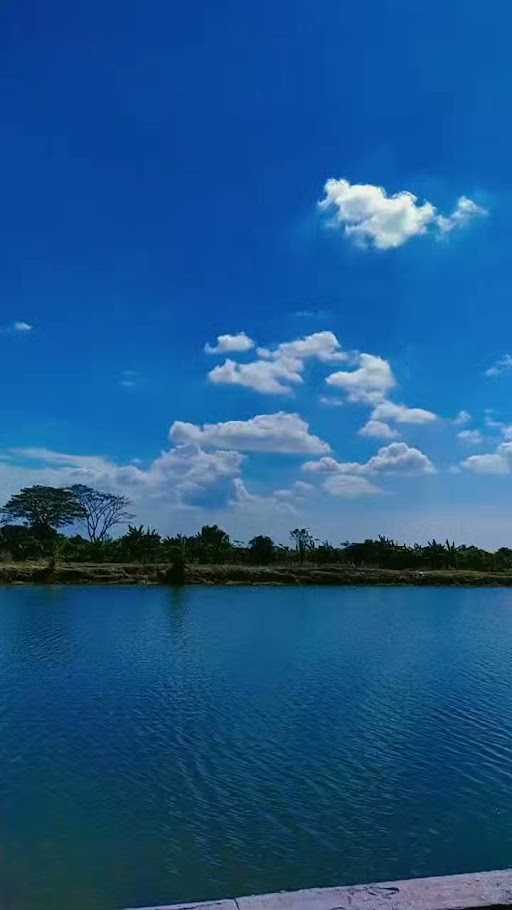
x: 451, y: 892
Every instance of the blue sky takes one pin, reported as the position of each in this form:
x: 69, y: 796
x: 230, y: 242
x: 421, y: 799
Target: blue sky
x: 163, y: 166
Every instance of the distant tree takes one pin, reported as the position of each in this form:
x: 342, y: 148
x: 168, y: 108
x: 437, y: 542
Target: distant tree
x: 44, y: 509
x: 262, y: 549
x: 304, y: 541
x: 213, y: 544
x: 101, y: 511
x: 20, y: 542
x: 140, y: 544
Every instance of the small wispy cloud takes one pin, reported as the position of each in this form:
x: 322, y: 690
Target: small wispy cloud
x: 312, y: 314
x: 470, y: 437
x: 129, y: 379
x: 19, y: 327
x: 462, y: 419
x: 502, y: 365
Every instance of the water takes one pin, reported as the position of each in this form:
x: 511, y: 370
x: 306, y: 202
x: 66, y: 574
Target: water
x: 161, y: 745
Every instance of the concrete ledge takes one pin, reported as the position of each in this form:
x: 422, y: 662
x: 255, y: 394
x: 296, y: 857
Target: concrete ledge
x: 451, y: 892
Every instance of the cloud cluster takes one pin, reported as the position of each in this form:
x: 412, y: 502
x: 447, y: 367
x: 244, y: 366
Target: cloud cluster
x: 351, y: 479
x: 371, y: 217
x: 369, y: 384
x: 182, y: 474
x: 276, y: 370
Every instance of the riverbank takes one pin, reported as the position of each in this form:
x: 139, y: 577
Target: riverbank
x: 122, y: 574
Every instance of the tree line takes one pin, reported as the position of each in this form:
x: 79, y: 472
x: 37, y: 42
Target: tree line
x: 32, y: 520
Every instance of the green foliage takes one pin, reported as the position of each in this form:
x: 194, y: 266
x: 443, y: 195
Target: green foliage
x: 43, y: 508
x: 18, y: 542
x: 139, y: 545
x: 262, y: 550
x: 304, y: 542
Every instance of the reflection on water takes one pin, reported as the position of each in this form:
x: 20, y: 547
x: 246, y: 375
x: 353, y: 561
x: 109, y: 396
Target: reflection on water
x: 165, y: 744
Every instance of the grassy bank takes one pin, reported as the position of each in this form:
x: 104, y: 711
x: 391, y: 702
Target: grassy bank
x: 136, y: 573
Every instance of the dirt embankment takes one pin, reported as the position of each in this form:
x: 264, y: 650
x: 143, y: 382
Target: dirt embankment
x: 122, y: 574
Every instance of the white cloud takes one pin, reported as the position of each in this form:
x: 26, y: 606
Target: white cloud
x: 370, y: 217
x: 278, y: 369
x: 470, y: 437
x: 400, y: 457
x: 464, y: 211
x: 280, y: 432
x: 260, y: 506
x: 328, y: 465
x: 323, y: 346
x: 498, y: 462
x: 396, y: 457
x: 388, y: 410
x: 350, y: 487
x: 230, y: 344
x: 377, y: 429
x: 369, y: 383
x: 298, y: 490
x: 264, y: 376
x: 331, y: 402
x: 462, y: 419
x: 503, y: 365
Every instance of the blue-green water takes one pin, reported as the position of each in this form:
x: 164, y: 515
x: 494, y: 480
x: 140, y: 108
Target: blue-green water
x: 159, y: 746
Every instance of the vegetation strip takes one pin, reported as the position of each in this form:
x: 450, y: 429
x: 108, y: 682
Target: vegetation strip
x: 32, y: 519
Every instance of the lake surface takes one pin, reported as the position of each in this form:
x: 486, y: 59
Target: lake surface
x: 160, y: 745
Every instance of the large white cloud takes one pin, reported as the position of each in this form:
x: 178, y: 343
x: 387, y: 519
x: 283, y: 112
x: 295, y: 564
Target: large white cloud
x: 230, y: 344
x: 278, y: 369
x: 369, y: 216
x: 280, y: 432
x: 368, y: 384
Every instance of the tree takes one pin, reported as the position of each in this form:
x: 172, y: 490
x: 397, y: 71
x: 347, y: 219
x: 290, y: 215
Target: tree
x: 213, y: 543
x: 140, y: 544
x: 261, y: 549
x: 44, y: 509
x: 101, y: 511
x: 304, y: 541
